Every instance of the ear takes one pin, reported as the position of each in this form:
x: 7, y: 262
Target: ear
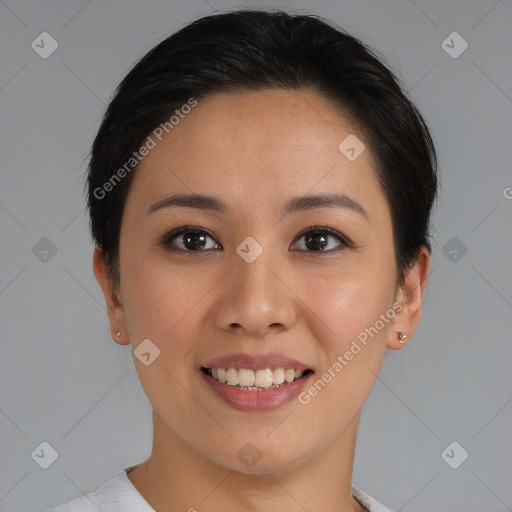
x: 410, y: 295
x: 116, y: 313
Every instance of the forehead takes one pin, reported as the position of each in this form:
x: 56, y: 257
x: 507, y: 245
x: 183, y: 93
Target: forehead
x: 260, y: 146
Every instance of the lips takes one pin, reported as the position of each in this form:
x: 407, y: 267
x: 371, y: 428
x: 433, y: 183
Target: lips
x: 252, y: 382
x: 255, y: 362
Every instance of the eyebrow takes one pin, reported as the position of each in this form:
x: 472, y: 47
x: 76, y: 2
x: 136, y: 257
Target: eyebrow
x: 296, y: 204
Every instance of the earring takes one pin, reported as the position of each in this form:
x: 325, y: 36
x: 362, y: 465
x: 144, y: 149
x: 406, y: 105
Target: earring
x: 401, y: 337
x: 118, y: 333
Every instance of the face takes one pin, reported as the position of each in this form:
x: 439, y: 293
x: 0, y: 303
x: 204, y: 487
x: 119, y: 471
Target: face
x: 253, y: 284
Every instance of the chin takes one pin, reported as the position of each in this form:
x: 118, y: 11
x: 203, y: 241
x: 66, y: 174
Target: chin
x: 260, y: 458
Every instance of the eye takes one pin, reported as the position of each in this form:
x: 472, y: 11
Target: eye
x: 195, y: 239
x: 316, y: 239
x: 189, y: 239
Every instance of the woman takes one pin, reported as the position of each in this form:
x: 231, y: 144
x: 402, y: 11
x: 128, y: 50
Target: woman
x: 260, y: 193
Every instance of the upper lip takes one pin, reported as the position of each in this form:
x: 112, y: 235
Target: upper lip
x: 255, y: 362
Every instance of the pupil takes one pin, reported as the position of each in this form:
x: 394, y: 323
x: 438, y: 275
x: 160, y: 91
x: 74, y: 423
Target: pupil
x: 194, y: 239
x: 315, y: 237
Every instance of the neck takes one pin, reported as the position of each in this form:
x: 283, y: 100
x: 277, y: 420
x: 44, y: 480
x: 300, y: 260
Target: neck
x: 178, y: 477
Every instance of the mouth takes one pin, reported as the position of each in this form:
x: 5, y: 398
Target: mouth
x: 255, y: 382
x: 247, y: 379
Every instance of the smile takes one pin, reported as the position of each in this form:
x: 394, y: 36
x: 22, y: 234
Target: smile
x: 261, y: 389
x: 247, y: 379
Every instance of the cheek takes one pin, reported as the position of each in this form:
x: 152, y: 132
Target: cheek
x: 161, y: 305
x: 354, y: 301
x: 158, y: 297
x: 353, y: 349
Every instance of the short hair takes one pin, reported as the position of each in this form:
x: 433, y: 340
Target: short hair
x: 255, y: 50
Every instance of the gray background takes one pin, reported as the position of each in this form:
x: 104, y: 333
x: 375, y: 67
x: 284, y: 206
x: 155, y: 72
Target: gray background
x: 63, y: 381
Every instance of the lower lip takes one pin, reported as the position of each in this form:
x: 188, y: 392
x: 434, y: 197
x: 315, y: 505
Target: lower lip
x: 261, y: 400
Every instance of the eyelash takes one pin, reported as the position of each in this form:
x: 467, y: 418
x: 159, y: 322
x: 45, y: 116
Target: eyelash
x: 344, y: 242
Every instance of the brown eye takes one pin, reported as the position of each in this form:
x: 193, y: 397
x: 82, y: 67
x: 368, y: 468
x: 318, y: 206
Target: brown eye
x: 189, y: 239
x: 317, y: 239
x: 320, y: 239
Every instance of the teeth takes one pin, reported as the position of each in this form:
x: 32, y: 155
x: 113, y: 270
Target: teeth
x: 232, y: 376
x: 221, y: 375
x: 246, y: 378
x: 278, y: 376
x: 263, y: 379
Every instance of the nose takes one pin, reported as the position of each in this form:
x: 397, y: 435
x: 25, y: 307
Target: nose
x: 256, y: 298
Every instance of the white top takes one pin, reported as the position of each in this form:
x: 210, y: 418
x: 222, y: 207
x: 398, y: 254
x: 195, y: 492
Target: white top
x: 120, y: 495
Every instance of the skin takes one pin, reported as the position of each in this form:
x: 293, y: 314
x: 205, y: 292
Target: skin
x: 256, y: 150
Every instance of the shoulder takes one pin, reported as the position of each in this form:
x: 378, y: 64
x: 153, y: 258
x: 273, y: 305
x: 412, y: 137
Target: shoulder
x: 117, y: 495
x: 370, y: 503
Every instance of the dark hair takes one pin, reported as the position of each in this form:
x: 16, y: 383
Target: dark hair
x: 252, y: 50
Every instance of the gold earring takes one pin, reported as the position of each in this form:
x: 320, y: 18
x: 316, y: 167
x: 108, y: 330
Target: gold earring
x: 401, y: 337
